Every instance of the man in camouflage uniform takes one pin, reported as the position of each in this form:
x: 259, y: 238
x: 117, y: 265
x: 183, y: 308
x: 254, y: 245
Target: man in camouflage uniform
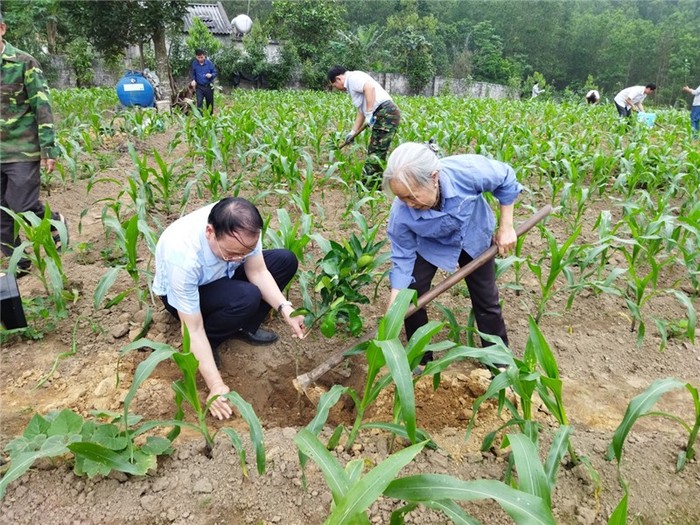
x: 27, y: 142
x: 375, y: 109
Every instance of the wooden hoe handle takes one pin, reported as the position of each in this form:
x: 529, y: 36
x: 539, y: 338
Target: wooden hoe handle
x: 302, y: 382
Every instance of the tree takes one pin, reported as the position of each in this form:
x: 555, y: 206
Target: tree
x: 360, y: 50
x: 409, y: 42
x: 33, y: 26
x: 487, y: 54
x: 200, y: 37
x: 137, y: 22
x: 308, y: 24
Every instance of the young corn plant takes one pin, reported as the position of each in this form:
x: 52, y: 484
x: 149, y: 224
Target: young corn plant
x: 560, y: 257
x: 585, y: 273
x: 40, y: 248
x: 140, y: 122
x: 685, y: 327
x: 160, y: 187
x: 385, y: 352
x: 294, y: 236
x: 688, y: 242
x: 641, y: 406
x: 574, y: 202
x: 127, y: 237
x: 186, y: 391
x: 640, y: 286
x: 354, y: 493
x: 534, y: 477
x: 538, y: 372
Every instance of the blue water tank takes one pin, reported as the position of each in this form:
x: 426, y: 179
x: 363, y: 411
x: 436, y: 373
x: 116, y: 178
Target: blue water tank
x: 133, y: 89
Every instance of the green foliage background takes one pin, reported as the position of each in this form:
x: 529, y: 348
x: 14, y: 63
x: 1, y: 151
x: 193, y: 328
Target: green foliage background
x: 574, y: 44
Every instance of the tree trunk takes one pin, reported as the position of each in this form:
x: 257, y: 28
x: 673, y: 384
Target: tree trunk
x: 142, y: 60
x: 162, y: 64
x: 51, y: 32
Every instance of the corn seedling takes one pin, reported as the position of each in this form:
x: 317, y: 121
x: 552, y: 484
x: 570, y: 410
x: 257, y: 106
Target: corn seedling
x: 186, y: 392
x: 559, y: 258
x: 528, y: 502
x: 158, y: 186
x: 585, y: 273
x: 385, y: 351
x: 352, y: 493
x: 292, y: 236
x: 73, y: 350
x: 641, y: 406
x: 126, y: 238
x: 537, y: 372
x: 40, y: 248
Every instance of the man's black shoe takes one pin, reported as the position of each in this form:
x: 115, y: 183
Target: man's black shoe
x: 258, y: 338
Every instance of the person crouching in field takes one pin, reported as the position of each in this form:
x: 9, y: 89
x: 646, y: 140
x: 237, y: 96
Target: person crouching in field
x: 213, y: 275
x: 440, y: 219
x: 376, y: 110
x: 592, y: 97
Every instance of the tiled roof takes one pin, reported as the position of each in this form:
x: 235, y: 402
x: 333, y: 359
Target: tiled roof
x: 212, y: 15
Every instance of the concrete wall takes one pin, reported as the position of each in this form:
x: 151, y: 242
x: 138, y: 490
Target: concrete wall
x: 61, y: 76
x: 398, y: 84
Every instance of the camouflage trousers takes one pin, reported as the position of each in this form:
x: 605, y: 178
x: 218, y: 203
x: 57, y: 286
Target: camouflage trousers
x: 386, y: 121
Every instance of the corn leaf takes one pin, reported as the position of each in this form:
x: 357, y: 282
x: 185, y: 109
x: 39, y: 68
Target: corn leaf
x: 395, y: 357
x: 531, y: 475
x: 524, y: 508
x: 254, y: 426
x: 362, y: 494
x: 334, y: 474
x: 639, y: 406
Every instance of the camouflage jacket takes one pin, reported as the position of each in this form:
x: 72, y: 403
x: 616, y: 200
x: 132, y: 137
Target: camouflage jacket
x: 26, y: 121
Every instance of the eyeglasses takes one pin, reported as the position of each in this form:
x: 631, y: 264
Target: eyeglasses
x: 230, y: 256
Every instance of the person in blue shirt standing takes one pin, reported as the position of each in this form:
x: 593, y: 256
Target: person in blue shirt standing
x: 203, y: 74
x: 440, y: 219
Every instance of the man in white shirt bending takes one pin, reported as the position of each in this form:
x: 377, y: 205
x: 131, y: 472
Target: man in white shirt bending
x: 630, y: 99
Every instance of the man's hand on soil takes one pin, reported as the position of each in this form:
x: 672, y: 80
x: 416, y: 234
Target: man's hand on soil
x: 220, y: 408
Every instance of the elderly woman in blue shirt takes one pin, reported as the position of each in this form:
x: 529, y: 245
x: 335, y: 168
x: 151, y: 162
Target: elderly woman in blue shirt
x: 440, y: 219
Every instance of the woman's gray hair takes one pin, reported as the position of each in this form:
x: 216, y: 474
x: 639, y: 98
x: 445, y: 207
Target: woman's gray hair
x: 411, y: 164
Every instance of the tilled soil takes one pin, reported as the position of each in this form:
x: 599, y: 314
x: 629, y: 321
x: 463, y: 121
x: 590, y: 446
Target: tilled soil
x: 601, y: 364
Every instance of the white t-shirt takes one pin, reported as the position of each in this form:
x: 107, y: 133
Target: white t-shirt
x: 696, y: 99
x: 635, y: 94
x: 355, y: 84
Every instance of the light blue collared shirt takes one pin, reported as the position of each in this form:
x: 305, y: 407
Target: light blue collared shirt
x: 185, y: 261
x: 464, y: 222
